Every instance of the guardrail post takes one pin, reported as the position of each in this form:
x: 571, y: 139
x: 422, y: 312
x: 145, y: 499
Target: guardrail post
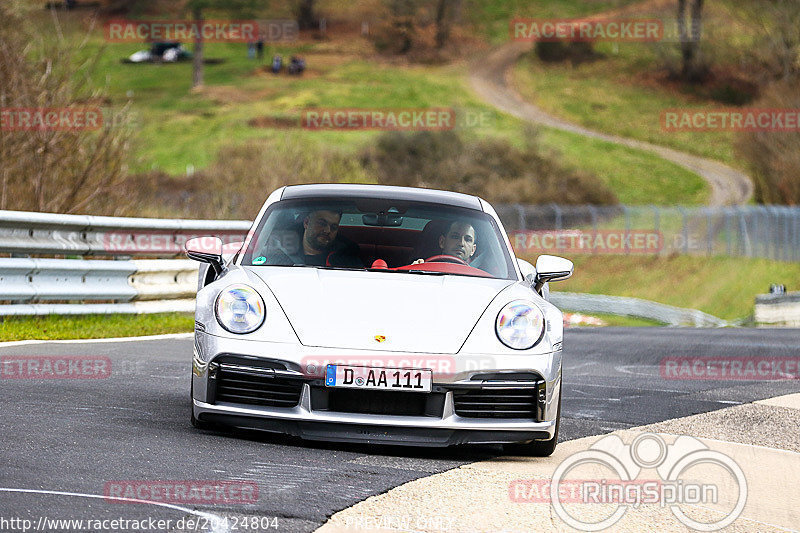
x: 521, y: 216
x: 557, y: 211
x: 728, y: 233
x: 685, y: 229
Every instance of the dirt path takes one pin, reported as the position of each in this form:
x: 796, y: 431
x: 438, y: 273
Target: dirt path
x: 489, y: 78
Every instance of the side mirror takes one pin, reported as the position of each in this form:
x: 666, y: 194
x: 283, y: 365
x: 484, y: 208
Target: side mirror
x: 206, y: 250
x: 528, y: 272
x: 552, y: 268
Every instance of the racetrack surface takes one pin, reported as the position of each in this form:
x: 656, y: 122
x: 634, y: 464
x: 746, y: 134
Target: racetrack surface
x: 75, y: 435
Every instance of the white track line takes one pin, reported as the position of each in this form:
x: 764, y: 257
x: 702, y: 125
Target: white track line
x: 114, y: 339
x: 112, y: 500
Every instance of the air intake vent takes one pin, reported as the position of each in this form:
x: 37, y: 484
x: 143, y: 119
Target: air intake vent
x: 256, y: 386
x: 497, y: 403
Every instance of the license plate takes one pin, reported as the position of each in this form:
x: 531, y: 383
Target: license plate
x: 364, y: 377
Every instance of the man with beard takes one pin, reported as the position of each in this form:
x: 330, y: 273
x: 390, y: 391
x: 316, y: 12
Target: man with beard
x: 320, y: 244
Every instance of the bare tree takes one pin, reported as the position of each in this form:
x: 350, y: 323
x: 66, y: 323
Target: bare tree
x: 443, y: 19
x: 691, y: 69
x: 306, y: 14
x: 777, y: 50
x: 197, y: 8
x: 54, y: 169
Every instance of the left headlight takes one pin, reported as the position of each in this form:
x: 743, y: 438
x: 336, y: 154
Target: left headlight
x: 520, y: 325
x: 240, y: 309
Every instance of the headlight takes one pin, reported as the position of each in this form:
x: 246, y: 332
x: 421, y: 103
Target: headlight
x: 240, y: 309
x: 520, y: 325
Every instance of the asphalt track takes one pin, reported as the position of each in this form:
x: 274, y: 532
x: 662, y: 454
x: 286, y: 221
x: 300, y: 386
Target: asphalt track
x: 63, y: 440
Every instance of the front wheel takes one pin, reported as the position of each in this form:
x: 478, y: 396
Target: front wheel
x: 538, y: 448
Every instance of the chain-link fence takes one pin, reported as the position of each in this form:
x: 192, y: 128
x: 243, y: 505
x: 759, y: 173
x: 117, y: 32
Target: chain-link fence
x: 750, y: 231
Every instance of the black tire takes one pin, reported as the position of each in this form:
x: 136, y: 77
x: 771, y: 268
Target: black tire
x: 537, y: 448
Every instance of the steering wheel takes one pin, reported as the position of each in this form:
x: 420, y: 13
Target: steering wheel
x: 446, y: 259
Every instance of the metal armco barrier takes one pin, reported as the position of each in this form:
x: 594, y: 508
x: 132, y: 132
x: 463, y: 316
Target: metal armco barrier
x: 28, y: 282
x: 23, y: 232
x: 618, y: 305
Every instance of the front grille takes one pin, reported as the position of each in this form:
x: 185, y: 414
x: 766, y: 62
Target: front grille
x: 372, y: 402
x: 496, y: 403
x: 237, y: 385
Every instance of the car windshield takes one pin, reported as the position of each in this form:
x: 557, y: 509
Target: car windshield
x: 380, y: 235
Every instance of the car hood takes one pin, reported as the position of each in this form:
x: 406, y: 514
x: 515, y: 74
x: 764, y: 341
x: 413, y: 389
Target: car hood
x: 349, y: 309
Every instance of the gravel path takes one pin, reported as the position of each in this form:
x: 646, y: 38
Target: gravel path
x: 489, y: 78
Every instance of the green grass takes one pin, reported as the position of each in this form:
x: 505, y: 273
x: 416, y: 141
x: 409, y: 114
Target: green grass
x: 492, y: 16
x: 178, y: 129
x: 93, y: 326
x: 725, y: 287
x: 619, y: 93
x: 636, y: 177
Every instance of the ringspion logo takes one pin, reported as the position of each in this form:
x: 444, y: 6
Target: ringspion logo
x: 593, y: 489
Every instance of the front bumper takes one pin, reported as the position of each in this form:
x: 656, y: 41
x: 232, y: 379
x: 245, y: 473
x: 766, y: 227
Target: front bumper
x: 315, y: 412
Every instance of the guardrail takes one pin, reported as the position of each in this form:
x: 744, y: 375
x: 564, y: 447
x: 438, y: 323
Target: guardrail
x: 22, y: 232
x: 618, y: 305
x: 141, y: 286
x: 45, y: 285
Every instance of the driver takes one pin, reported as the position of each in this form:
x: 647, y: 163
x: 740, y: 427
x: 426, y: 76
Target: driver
x: 320, y: 245
x: 458, y: 241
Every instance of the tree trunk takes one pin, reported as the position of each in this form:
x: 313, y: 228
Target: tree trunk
x: 197, y: 59
x: 306, y: 18
x: 442, y: 24
x: 690, y: 39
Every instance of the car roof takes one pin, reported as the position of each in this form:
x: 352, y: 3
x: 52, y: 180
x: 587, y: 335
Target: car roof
x: 344, y: 190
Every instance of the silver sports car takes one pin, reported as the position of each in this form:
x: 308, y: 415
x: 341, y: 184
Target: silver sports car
x: 365, y: 313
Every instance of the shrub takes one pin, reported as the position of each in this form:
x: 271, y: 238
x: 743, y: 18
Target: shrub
x: 491, y: 168
x: 774, y: 156
x: 237, y: 184
x: 575, y: 52
x: 48, y: 169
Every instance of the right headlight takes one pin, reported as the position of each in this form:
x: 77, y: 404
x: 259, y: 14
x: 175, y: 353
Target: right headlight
x: 240, y: 309
x: 520, y: 325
